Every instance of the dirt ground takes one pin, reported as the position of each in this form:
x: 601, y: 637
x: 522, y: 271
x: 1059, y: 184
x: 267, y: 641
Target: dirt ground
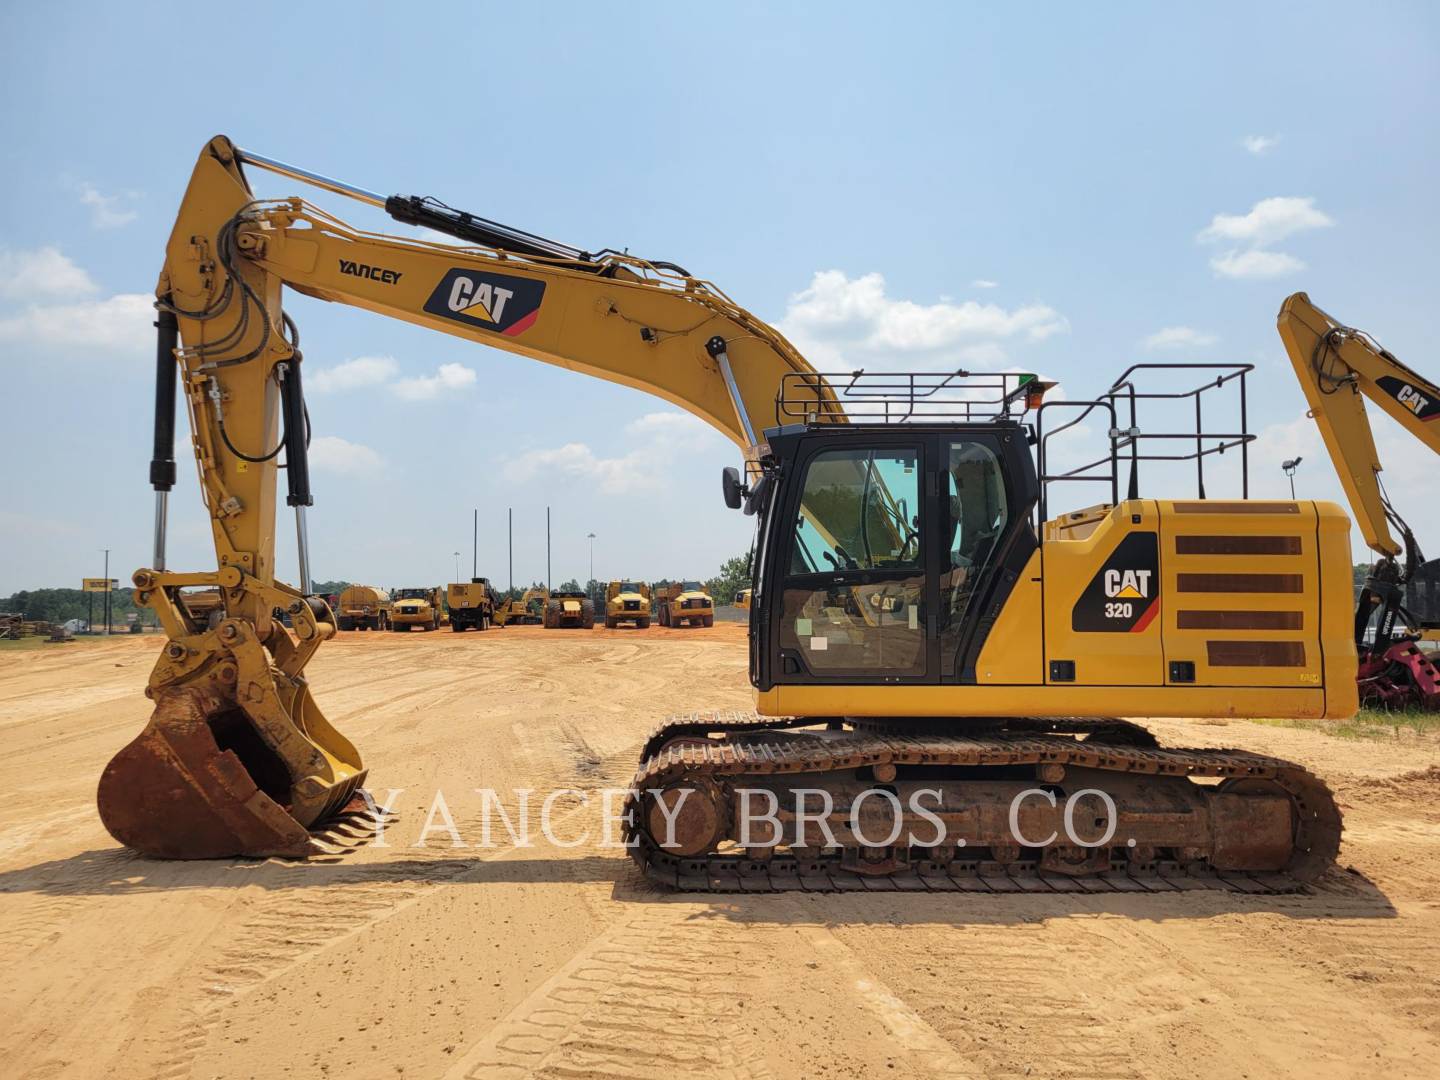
x: 442, y: 961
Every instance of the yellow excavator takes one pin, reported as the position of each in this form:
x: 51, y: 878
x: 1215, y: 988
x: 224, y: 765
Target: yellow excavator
x: 1339, y: 367
x: 937, y: 665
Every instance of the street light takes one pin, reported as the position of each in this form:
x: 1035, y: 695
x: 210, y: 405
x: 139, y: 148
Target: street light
x: 457, y: 566
x: 591, y: 538
x: 1290, y: 467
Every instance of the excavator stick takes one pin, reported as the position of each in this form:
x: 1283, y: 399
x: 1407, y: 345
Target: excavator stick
x: 237, y: 758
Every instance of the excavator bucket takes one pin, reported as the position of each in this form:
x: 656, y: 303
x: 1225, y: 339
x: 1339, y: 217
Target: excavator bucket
x: 203, y: 782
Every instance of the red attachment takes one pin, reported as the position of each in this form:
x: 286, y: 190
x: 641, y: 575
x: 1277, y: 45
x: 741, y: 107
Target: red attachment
x: 1400, y: 677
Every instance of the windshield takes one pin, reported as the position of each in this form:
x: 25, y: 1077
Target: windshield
x: 692, y: 586
x: 629, y: 586
x: 413, y: 594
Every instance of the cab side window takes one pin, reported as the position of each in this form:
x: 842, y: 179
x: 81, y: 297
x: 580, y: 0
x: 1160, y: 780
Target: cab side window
x: 977, y: 514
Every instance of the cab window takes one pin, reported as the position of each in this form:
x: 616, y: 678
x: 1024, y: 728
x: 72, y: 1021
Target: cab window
x: 858, y: 511
x: 976, y: 517
x: 858, y: 529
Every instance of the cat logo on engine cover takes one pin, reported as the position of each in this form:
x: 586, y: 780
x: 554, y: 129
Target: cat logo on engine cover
x: 1124, y: 595
x: 499, y: 302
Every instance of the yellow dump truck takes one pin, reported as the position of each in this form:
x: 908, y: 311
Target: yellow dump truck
x: 684, y: 603
x: 529, y: 610
x: 471, y: 604
x: 417, y: 607
x: 742, y: 599
x: 569, y: 609
x: 363, y: 607
x: 627, y: 601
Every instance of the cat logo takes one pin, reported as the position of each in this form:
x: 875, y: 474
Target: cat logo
x: 1123, y: 596
x: 1412, y: 399
x: 1422, y: 402
x: 478, y: 299
x: 501, y: 303
x: 1127, y: 584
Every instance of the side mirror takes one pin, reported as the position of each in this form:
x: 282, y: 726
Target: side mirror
x: 733, y: 489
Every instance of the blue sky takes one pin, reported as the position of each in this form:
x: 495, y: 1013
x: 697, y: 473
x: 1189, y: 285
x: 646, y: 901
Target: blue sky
x: 1067, y: 190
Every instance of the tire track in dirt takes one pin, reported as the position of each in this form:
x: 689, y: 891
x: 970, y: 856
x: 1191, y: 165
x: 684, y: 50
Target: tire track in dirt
x: 37, y: 914
x: 651, y: 998
x: 292, y: 923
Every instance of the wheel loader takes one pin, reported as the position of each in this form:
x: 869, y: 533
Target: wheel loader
x: 940, y: 664
x: 627, y: 602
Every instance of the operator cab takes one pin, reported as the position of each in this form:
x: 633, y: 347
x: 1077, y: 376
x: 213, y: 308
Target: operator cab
x: 884, y: 544
x: 888, y: 542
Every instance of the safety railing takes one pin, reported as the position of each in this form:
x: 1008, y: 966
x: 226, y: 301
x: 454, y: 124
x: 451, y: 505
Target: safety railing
x: 1133, y: 443
x: 904, y: 397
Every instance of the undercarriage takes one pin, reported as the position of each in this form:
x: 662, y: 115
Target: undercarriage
x: 733, y: 802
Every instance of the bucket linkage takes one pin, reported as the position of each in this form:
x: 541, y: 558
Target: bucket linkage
x: 237, y: 758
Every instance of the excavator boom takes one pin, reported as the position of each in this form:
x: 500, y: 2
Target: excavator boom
x: 237, y: 757
x: 1340, y: 367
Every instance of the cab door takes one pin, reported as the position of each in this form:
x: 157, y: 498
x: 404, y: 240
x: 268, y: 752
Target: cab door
x: 857, y: 592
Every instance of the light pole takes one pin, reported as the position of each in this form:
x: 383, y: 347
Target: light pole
x: 1290, y: 467
x: 457, y: 567
x: 591, y: 538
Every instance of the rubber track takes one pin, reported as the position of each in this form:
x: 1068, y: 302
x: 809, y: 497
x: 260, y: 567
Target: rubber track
x: 746, y: 750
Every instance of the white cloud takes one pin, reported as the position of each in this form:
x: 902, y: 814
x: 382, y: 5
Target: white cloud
x: 1178, y: 337
x: 667, y: 426
x: 661, y: 436
x: 330, y: 453
x: 426, y: 387
x: 1255, y: 263
x: 635, y: 471
x: 42, y: 273
x: 367, y: 371
x: 1269, y: 220
x: 107, y: 211
x: 61, y: 310
x: 838, y: 320
x: 1259, y: 144
x: 123, y: 323
x: 354, y: 374
x: 982, y: 283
